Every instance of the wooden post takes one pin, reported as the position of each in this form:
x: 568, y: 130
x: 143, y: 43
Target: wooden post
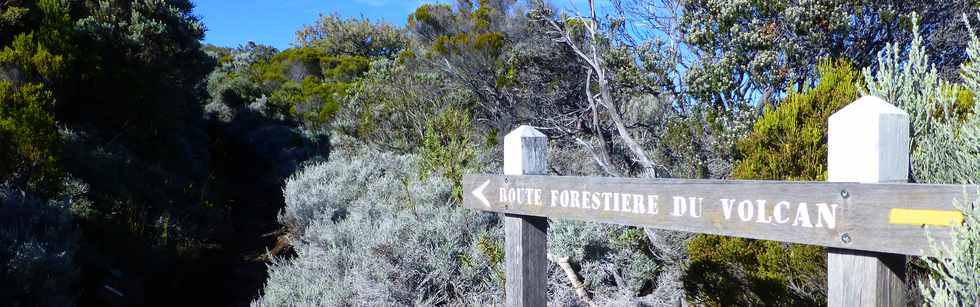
x: 526, y: 153
x: 868, y: 142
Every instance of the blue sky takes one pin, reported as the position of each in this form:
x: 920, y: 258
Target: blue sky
x: 275, y: 22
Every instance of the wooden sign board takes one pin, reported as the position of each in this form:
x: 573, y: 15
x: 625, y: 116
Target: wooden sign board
x: 890, y: 218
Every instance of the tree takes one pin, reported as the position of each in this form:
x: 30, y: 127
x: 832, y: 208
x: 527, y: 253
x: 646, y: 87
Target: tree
x: 470, y: 44
x: 30, y: 66
x: 597, y: 67
x: 131, y: 123
x: 29, y: 141
x: 309, y: 83
x: 352, y: 37
x: 738, y: 53
x: 643, y: 117
x: 391, y: 106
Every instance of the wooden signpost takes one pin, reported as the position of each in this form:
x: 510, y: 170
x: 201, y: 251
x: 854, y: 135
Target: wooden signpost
x: 870, y: 219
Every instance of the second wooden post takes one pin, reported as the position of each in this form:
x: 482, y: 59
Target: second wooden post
x: 867, y: 142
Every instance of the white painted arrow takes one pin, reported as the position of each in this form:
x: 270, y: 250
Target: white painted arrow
x: 479, y: 193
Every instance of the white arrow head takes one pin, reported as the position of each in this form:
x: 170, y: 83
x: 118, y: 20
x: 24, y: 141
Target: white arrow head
x: 479, y: 194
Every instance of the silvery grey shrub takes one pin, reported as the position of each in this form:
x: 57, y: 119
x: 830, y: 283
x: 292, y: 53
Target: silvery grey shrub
x: 945, y: 149
x: 955, y: 278
x: 368, y: 232
x: 38, y: 241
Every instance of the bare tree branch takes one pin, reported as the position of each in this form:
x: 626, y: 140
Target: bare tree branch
x: 603, y: 152
x: 606, y: 99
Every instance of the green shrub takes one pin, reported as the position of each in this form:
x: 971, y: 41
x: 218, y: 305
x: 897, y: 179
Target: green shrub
x: 28, y: 137
x: 391, y: 106
x: 786, y: 143
x: 310, y: 83
x: 790, y: 141
x: 274, y: 72
x: 29, y: 141
x: 447, y: 148
x: 353, y: 36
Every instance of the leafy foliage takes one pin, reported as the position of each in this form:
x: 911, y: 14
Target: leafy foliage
x: 309, y: 83
x: 757, y: 49
x: 391, y: 106
x: 108, y: 93
x: 28, y: 137
x: 171, y: 155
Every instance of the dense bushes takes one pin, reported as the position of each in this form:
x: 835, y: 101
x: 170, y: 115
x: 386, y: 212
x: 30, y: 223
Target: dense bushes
x: 955, y: 272
x: 335, y: 35
x: 38, y: 236
x: 313, y: 81
x: 309, y: 83
x: 447, y: 148
x: 392, y: 105
x: 132, y: 158
x: 424, y: 249
x: 108, y: 94
x: 788, y: 142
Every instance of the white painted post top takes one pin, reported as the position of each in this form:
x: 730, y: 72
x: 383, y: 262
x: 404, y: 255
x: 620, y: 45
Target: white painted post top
x: 525, y: 152
x: 868, y: 141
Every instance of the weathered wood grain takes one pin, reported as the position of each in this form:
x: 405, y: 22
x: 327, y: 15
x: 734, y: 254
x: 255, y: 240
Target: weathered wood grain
x: 526, y: 244
x: 862, y: 217
x: 861, y: 278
